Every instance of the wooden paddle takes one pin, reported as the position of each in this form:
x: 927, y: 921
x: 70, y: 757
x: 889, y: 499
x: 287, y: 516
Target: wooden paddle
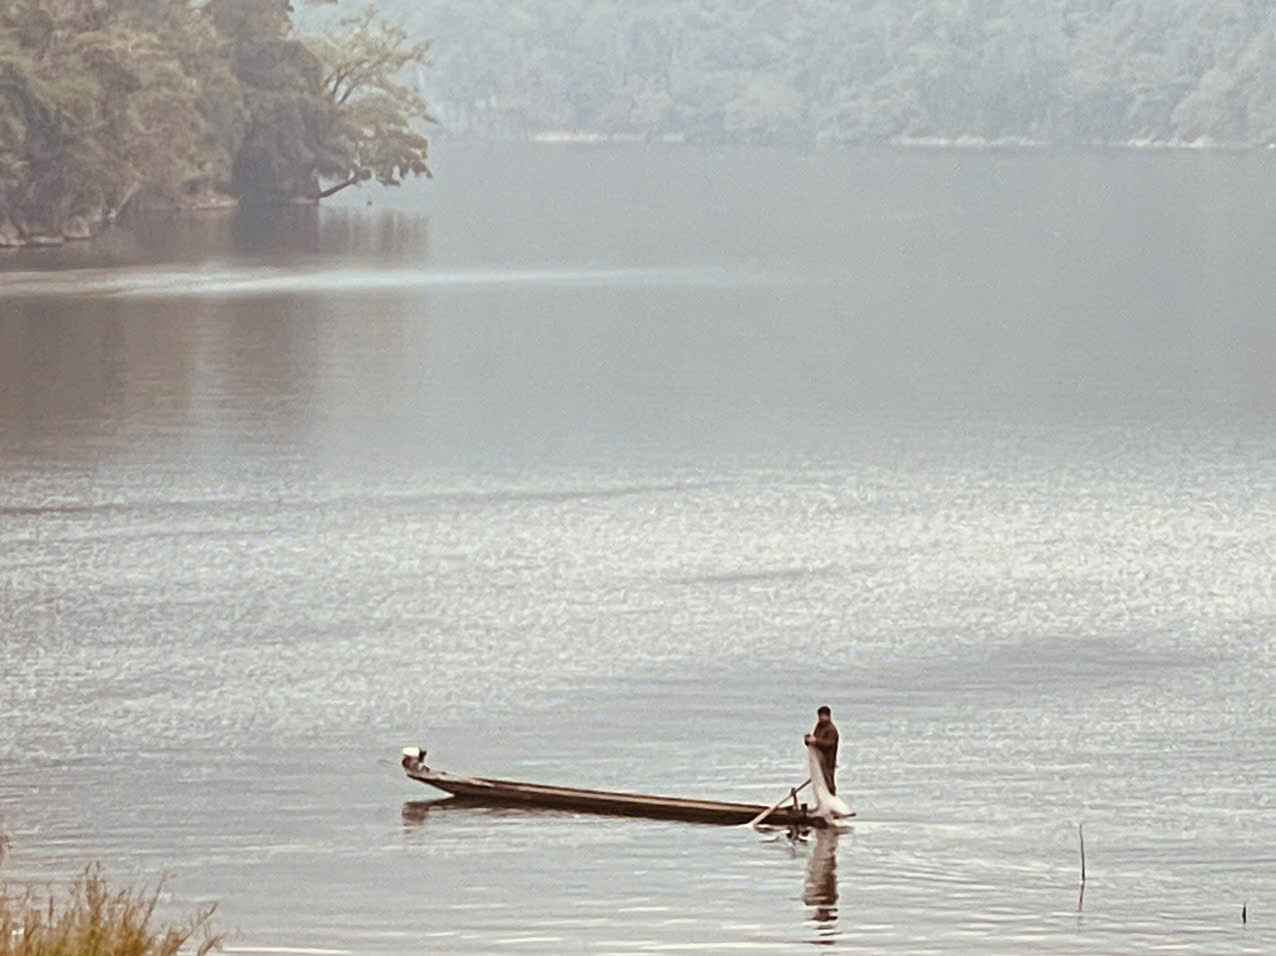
x: 775, y: 806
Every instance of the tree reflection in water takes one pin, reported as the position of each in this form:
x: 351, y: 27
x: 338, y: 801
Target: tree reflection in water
x: 820, y: 888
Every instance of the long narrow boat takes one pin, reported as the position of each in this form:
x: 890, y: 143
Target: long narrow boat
x: 512, y: 793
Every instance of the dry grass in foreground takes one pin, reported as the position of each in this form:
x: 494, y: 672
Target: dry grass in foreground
x: 95, y: 920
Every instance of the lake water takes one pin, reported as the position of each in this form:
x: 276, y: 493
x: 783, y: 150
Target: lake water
x: 605, y: 467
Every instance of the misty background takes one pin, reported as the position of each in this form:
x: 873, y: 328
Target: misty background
x: 852, y: 71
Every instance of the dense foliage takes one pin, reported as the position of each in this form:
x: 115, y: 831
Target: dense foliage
x: 100, y: 99
x: 807, y: 71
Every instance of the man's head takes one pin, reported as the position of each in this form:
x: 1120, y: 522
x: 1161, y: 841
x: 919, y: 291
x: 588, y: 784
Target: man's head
x: 824, y: 715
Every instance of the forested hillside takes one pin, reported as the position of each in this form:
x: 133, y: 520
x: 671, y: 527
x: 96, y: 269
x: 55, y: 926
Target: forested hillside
x: 103, y: 101
x: 855, y: 71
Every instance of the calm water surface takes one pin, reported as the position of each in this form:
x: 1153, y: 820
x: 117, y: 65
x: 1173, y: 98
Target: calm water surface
x: 605, y: 467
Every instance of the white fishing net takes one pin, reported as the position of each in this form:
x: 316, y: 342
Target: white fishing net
x: 827, y: 805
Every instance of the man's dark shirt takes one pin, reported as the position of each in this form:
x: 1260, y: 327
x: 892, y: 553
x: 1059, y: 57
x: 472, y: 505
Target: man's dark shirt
x: 826, y: 740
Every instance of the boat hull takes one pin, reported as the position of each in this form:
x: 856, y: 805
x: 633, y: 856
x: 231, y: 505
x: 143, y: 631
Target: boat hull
x: 513, y: 793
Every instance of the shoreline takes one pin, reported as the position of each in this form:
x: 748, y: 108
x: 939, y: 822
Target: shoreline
x: 86, y: 226
x: 569, y: 137
x: 82, y: 228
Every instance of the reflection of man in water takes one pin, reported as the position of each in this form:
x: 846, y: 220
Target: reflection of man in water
x: 820, y: 888
x: 824, y: 738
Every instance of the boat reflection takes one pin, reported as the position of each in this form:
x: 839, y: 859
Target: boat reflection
x: 820, y: 889
x: 416, y: 813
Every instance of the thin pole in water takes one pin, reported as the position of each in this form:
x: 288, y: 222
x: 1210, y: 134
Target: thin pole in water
x: 1081, y: 834
x: 1081, y: 895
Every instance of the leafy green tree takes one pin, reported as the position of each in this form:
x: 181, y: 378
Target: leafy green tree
x: 94, y: 104
x: 102, y: 98
x: 323, y: 107
x: 377, y: 115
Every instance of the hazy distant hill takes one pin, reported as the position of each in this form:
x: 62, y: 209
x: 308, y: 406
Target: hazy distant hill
x: 853, y: 71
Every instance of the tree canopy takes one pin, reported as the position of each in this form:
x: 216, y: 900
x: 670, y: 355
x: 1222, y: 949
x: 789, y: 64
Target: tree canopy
x: 102, y: 98
x: 856, y: 71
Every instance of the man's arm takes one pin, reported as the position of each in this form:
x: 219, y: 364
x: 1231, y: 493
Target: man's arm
x: 825, y: 738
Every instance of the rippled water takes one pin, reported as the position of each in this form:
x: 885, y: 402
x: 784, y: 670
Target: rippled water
x: 605, y: 468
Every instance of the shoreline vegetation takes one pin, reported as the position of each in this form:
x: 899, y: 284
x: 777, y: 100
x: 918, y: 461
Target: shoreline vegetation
x: 812, y: 73
x: 93, y: 918
x: 115, y: 107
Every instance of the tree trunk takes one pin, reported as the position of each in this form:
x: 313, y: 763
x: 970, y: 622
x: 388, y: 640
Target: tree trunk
x: 325, y: 193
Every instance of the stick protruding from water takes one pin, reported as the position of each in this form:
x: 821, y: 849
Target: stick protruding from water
x: 1081, y: 895
x: 1081, y: 835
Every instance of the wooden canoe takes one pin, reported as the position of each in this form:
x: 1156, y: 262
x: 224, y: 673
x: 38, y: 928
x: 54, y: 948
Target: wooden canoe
x: 512, y: 793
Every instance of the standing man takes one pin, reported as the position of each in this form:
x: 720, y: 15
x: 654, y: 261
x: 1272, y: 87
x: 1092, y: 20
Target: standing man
x: 824, y: 739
